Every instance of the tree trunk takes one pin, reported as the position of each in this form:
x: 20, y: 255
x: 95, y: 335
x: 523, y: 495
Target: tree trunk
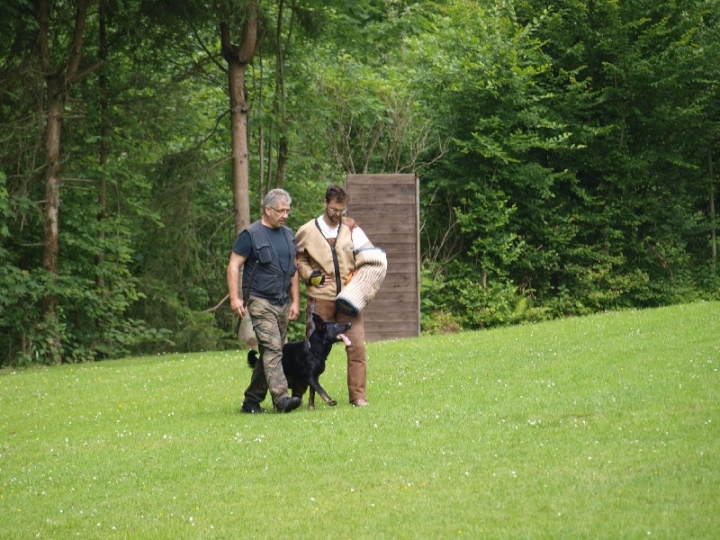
x: 52, y: 206
x: 713, y: 229
x: 238, y: 58
x: 104, y: 139
x: 240, y: 145
x: 58, y: 82
x: 283, y: 154
x: 52, y: 178
x: 280, y: 101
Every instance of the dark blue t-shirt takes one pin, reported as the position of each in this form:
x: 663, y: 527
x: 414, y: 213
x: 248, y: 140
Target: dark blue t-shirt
x: 243, y: 245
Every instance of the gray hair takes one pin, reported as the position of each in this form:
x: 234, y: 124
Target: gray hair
x: 275, y: 196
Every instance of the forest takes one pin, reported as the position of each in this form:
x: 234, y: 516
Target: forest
x: 566, y: 152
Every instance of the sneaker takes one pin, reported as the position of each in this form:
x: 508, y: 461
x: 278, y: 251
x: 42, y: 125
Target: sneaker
x: 287, y: 404
x: 360, y: 402
x: 251, y: 407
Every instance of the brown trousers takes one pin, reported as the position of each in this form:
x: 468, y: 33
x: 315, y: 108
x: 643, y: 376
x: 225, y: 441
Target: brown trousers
x: 356, y: 359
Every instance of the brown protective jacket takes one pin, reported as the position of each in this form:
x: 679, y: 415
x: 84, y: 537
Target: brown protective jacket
x: 316, y: 253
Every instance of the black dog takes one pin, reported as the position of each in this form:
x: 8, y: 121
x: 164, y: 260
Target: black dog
x: 304, y: 361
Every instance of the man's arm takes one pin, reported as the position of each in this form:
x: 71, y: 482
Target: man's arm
x: 233, y: 282
x: 360, y: 239
x: 295, y: 296
x: 303, y: 259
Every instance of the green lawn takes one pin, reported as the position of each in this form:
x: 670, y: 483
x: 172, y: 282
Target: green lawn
x: 597, y: 427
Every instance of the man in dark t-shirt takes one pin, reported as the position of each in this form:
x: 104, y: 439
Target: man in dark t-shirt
x: 279, y: 244
x: 266, y: 253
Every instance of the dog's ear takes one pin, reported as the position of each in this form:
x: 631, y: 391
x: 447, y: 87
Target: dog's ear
x: 318, y: 320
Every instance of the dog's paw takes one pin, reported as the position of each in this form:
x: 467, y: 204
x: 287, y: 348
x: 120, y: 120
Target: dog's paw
x: 332, y: 402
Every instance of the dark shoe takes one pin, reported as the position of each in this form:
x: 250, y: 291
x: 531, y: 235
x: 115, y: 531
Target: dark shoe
x: 360, y: 402
x: 251, y: 407
x: 287, y: 404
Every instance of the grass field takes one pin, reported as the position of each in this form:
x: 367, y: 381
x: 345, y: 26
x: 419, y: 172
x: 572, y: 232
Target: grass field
x: 599, y: 427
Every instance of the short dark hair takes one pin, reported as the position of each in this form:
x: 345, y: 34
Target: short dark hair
x: 336, y: 193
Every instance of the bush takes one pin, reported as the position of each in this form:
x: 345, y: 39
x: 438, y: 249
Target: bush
x: 440, y: 322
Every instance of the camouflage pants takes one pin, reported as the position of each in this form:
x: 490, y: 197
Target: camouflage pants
x: 270, y: 323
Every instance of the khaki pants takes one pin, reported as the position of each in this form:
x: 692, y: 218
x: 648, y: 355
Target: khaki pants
x: 356, y: 359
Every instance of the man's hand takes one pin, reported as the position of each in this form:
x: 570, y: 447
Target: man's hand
x: 317, y: 278
x: 294, y: 312
x: 238, y: 306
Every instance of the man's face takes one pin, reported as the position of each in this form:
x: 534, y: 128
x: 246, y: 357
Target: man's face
x: 276, y: 215
x: 334, y: 210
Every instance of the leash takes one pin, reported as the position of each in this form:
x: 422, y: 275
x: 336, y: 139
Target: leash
x: 311, y: 328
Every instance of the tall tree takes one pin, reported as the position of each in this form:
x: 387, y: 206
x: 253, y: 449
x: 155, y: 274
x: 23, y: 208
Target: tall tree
x: 60, y: 71
x: 238, y: 56
x: 104, y: 112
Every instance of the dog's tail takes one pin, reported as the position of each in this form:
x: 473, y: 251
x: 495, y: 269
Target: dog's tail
x: 252, y: 358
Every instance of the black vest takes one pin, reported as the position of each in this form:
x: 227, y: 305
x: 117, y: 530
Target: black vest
x: 263, y: 275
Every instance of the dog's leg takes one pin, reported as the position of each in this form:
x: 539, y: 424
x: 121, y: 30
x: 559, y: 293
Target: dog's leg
x: 315, y: 387
x: 311, y: 399
x: 298, y: 389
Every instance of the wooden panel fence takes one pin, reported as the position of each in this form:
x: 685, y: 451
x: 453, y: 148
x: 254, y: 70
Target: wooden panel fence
x: 386, y: 206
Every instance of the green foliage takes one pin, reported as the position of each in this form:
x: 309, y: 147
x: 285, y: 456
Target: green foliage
x: 590, y: 427
x: 182, y: 328
x: 91, y: 322
x: 439, y: 322
x: 19, y: 300
x: 564, y: 151
x: 5, y: 214
x: 569, y: 188
x: 459, y: 297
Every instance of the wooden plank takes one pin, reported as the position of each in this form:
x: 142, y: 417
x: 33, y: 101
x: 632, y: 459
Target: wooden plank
x: 386, y: 207
x: 380, y: 216
x: 387, y: 230
x: 403, y: 327
x: 399, y: 264
x: 391, y: 331
x: 404, y: 300
x: 398, y: 255
x: 392, y: 287
x: 394, y: 312
x: 375, y: 179
x: 398, y: 318
x: 380, y: 209
x: 387, y: 315
x: 393, y: 249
